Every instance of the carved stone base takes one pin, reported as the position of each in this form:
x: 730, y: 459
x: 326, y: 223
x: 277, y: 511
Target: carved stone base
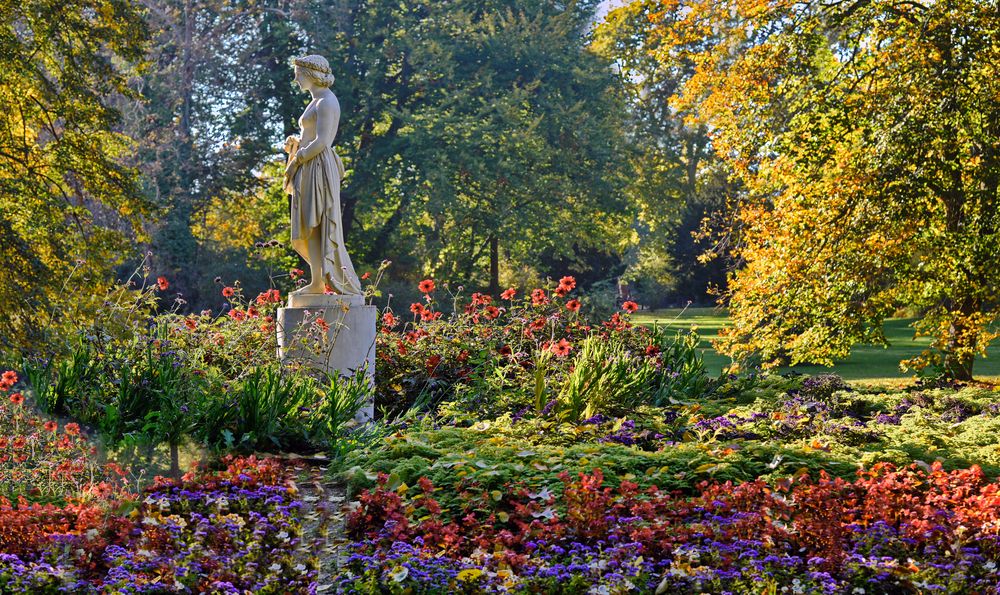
x: 350, y: 338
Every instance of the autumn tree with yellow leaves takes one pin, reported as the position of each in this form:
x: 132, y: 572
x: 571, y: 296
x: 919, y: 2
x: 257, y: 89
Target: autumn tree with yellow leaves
x: 867, y: 134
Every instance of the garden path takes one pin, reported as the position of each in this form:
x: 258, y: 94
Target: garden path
x: 322, y: 519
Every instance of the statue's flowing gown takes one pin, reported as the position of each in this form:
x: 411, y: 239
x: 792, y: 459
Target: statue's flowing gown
x: 315, y: 190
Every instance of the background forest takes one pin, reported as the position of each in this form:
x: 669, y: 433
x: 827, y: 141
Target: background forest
x: 819, y: 166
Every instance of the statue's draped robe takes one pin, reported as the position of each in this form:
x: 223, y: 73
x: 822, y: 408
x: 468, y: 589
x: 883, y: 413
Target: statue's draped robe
x: 315, y: 190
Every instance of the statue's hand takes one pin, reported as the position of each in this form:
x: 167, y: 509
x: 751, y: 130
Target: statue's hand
x: 290, y: 143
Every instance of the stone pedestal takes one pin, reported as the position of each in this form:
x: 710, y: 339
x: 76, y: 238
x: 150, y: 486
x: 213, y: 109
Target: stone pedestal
x: 350, y: 336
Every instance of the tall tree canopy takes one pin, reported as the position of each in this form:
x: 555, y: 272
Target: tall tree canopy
x: 867, y: 134
x: 475, y: 131
x: 66, y: 200
x: 678, y: 182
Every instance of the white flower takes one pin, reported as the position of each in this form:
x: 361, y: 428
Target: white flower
x: 274, y: 567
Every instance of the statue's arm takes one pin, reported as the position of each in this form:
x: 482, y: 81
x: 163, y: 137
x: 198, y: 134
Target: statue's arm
x: 327, y: 121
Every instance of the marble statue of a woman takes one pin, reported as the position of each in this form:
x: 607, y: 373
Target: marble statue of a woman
x: 312, y: 176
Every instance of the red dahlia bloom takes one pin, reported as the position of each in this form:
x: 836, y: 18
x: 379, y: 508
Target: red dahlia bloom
x: 365, y: 276
x: 190, y: 323
x: 295, y: 273
x: 491, y: 312
x: 51, y: 426
x: 630, y: 306
x: 560, y: 291
x: 388, y: 320
x: 322, y: 324
x: 9, y: 377
x: 573, y: 305
x: 562, y: 348
x: 538, y: 297
x: 73, y: 429
x: 426, y: 286
x: 568, y: 282
x: 508, y: 294
x: 417, y: 308
x: 228, y: 292
x: 17, y: 398
x: 162, y: 283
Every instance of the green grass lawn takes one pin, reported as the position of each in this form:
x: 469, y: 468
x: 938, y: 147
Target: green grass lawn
x: 866, y: 364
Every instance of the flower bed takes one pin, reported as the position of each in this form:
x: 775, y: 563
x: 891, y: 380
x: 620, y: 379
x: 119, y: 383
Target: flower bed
x: 890, y: 530
x: 68, y: 524
x: 225, y: 532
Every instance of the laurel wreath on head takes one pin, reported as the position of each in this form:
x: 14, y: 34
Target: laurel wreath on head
x: 311, y: 65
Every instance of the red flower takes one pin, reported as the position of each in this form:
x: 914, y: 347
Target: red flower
x: 365, y: 276
x: 228, y: 292
x: 268, y: 324
x: 322, y: 324
x: 479, y: 299
x: 508, y: 294
x: 417, y: 308
x: 426, y: 286
x: 506, y: 350
x: 491, y: 312
x: 630, y: 306
x: 537, y: 324
x: 72, y: 429
x: 652, y: 350
x: 51, y: 426
x: 295, y: 273
x: 191, y: 323
x: 573, y: 305
x: 432, y: 363
x: 562, y: 348
x: 269, y: 296
x: 162, y: 283
x: 388, y: 320
x: 17, y: 398
x: 8, y: 380
x: 237, y: 314
x: 560, y: 291
x: 252, y: 312
x: 568, y: 282
x: 538, y: 297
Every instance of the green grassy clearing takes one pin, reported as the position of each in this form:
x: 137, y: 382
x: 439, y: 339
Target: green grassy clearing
x: 867, y: 364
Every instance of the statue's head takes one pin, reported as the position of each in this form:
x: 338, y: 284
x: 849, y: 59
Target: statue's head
x: 314, y: 69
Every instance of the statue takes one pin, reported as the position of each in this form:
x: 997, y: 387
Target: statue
x: 312, y: 176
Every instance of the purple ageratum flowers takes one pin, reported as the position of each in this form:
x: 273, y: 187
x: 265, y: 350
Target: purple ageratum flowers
x: 228, y: 539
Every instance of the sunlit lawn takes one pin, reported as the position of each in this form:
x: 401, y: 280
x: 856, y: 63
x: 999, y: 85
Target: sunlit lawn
x: 867, y: 364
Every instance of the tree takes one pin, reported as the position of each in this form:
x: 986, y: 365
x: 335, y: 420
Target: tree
x: 473, y: 132
x: 867, y: 134
x: 679, y: 184
x: 67, y: 203
x: 215, y: 105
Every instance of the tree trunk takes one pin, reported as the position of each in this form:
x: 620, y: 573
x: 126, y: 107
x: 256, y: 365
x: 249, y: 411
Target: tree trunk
x: 960, y: 348
x: 175, y: 467
x: 494, y: 288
